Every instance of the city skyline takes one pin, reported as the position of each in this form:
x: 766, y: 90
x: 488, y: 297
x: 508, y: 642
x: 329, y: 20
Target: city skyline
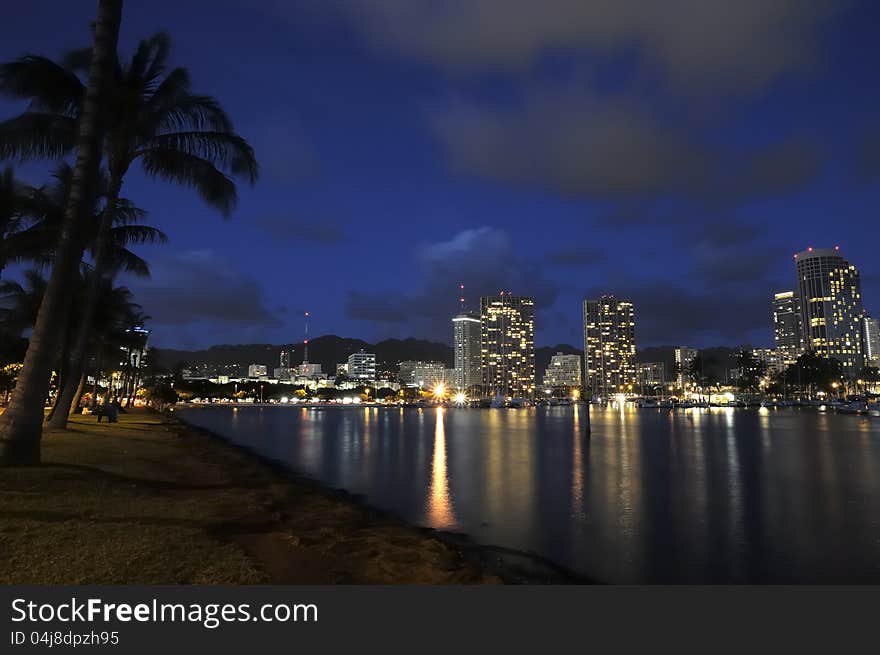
x: 354, y: 197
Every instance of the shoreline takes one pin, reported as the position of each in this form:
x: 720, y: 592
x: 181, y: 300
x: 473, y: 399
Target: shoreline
x: 154, y: 500
x: 510, y: 565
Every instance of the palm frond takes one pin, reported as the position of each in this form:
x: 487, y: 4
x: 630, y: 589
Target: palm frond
x: 212, y: 185
x: 225, y: 150
x: 34, y: 135
x: 125, y: 235
x: 50, y: 87
x: 190, y: 112
x: 122, y: 259
x: 126, y: 213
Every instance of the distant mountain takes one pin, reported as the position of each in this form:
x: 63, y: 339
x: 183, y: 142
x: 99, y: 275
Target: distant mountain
x: 327, y: 351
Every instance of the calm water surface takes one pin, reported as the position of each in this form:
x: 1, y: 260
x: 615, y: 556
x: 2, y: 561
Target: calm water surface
x: 711, y: 495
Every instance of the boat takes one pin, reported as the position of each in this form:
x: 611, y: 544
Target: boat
x: 854, y: 407
x: 667, y: 404
x: 648, y: 403
x: 686, y: 404
x: 498, y: 402
x: 769, y: 404
x: 874, y: 411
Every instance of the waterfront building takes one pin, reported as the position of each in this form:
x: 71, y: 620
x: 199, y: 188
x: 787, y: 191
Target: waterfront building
x: 421, y: 374
x: 771, y: 360
x: 342, y: 369
x: 466, y: 344
x: 564, y: 371
x: 609, y: 345
x: 308, y: 370
x: 651, y: 378
x: 788, y: 333
x: 362, y: 366
x: 282, y: 373
x: 830, y: 292
x: 507, y: 345
x: 871, y: 340
x: 684, y: 357
x: 256, y: 371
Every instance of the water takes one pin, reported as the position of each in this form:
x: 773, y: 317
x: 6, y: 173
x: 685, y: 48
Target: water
x: 700, y: 495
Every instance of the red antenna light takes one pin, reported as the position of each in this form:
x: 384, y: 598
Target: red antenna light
x: 810, y: 249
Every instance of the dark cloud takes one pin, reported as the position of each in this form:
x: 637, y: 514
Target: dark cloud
x: 202, y: 287
x: 611, y: 149
x: 576, y: 256
x: 703, y: 44
x: 292, y: 228
x: 483, y: 259
x: 867, y: 157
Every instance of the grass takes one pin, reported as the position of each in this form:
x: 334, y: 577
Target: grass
x: 148, y: 500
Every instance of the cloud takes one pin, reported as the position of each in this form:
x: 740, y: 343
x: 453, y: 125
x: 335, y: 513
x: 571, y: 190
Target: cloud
x: 292, y: 228
x: 611, y: 149
x: 867, y: 157
x: 201, y: 287
x: 483, y: 259
x: 576, y: 256
x: 695, y: 43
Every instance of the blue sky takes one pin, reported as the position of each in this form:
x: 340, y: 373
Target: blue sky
x: 677, y: 153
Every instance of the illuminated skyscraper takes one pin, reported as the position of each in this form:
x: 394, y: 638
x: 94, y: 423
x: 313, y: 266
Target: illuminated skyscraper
x: 787, y: 326
x: 684, y: 357
x: 507, y: 345
x: 563, y: 371
x: 831, y: 306
x: 466, y: 342
x: 610, y: 345
x: 871, y: 340
x: 362, y: 366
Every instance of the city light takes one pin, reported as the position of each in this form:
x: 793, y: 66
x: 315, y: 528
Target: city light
x: 439, y: 391
x: 459, y: 399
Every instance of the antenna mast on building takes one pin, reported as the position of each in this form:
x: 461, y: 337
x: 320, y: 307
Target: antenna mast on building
x: 461, y: 296
x: 306, y: 341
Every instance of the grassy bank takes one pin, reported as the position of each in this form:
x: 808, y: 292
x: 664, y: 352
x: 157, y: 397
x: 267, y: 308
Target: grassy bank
x: 148, y: 500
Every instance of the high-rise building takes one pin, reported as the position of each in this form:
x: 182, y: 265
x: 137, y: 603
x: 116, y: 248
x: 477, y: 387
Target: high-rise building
x: 788, y: 332
x: 507, y: 345
x: 684, y: 357
x: 871, y: 341
x: 362, y: 366
x: 466, y: 343
x: 563, y: 371
x: 284, y: 359
x: 609, y: 345
x: 651, y: 377
x: 258, y: 371
x: 831, y: 306
x: 421, y: 374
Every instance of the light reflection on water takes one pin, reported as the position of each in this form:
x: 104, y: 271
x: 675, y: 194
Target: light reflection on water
x: 718, y: 495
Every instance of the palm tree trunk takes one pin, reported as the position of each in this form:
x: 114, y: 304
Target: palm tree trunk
x: 100, y: 272
x: 79, y: 392
x: 22, y: 422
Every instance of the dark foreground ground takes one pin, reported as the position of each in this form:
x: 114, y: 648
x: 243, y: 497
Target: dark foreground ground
x: 149, y: 500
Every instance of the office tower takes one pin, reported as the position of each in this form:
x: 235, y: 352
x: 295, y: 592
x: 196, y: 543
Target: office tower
x: 258, y: 371
x: 684, y: 357
x: 507, y: 345
x: 284, y: 359
x: 871, y: 340
x: 421, y: 374
x: 466, y: 343
x: 362, y: 366
x: 787, y: 326
x: 651, y: 377
x: 609, y: 345
x: 831, y: 307
x: 563, y: 371
x: 282, y: 373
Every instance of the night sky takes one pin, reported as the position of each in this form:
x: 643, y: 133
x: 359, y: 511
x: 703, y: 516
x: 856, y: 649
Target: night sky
x: 677, y: 153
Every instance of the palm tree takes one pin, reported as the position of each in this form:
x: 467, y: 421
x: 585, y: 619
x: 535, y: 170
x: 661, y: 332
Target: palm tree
x: 153, y: 118
x: 124, y: 232
x: 21, y: 423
